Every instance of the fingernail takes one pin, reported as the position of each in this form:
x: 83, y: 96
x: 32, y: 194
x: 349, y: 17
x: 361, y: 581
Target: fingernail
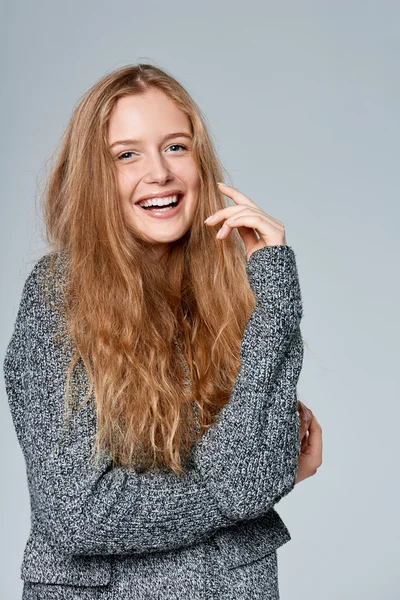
x: 230, y: 221
x: 208, y: 218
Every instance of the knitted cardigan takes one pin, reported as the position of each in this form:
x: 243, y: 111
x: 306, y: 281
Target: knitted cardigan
x: 111, y: 532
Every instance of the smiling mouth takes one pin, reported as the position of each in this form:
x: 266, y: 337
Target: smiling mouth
x: 162, y: 209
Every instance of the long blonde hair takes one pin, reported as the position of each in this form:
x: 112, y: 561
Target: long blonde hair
x: 125, y: 310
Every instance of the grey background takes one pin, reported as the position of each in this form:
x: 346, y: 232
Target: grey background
x: 302, y: 99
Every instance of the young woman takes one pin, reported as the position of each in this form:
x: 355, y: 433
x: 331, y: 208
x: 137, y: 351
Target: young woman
x: 153, y: 367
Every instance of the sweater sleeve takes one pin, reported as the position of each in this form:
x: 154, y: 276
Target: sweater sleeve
x: 250, y: 457
x: 238, y: 470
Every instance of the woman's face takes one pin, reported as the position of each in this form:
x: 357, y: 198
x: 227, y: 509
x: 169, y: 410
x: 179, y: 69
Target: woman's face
x: 150, y: 140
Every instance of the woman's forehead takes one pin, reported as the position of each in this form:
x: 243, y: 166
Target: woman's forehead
x: 151, y: 114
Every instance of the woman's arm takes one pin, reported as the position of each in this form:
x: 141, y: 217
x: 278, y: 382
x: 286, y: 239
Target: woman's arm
x: 240, y: 468
x: 250, y: 458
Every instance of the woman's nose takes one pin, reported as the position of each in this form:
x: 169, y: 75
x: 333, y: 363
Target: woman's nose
x: 157, y: 168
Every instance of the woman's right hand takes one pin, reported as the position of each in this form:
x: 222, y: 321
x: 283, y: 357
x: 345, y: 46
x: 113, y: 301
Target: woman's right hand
x: 310, y: 457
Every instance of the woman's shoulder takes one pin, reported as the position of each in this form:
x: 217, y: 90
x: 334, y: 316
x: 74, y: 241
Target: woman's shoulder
x: 44, y: 283
x: 50, y: 264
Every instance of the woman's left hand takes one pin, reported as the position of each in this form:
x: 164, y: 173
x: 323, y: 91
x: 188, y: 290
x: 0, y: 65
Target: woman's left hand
x: 250, y: 221
x: 306, y: 416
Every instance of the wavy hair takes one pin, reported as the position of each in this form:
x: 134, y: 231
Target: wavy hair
x: 160, y: 342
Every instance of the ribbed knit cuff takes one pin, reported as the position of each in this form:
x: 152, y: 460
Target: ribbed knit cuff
x: 273, y: 276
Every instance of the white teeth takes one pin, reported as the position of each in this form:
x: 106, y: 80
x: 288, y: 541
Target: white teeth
x: 159, y: 201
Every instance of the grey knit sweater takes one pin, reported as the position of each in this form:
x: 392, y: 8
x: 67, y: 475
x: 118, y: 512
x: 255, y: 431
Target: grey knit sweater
x: 112, y: 533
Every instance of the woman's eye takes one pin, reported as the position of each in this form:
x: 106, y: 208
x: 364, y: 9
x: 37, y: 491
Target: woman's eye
x: 178, y: 146
x: 120, y: 157
x: 126, y: 155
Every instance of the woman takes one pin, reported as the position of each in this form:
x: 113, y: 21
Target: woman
x: 152, y: 370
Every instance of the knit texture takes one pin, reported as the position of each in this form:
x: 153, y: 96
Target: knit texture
x: 86, y: 519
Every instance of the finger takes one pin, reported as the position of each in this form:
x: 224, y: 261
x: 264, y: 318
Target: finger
x: 307, y: 415
x: 315, y: 439
x: 305, y: 409
x: 267, y: 231
x: 304, y: 412
x: 303, y: 428
x: 304, y: 443
x: 300, y: 405
x: 248, y: 235
x: 231, y: 212
x: 236, y: 196
x: 303, y: 423
x: 226, y: 227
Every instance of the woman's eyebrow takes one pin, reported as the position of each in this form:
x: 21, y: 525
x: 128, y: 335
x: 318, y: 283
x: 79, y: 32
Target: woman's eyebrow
x: 167, y: 137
